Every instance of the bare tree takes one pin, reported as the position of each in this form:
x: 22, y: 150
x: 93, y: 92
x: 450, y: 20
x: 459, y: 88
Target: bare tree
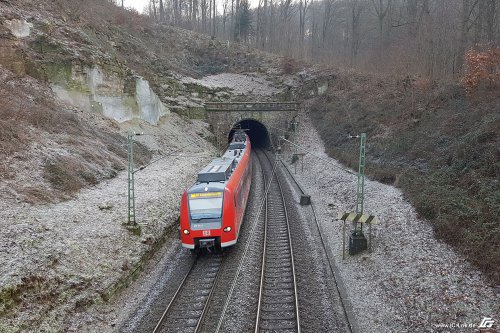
x: 425, y: 37
x: 162, y: 12
x: 214, y: 19
x: 381, y: 9
x: 152, y: 9
x: 302, y: 24
x: 204, y: 8
x: 225, y: 14
x: 356, y: 8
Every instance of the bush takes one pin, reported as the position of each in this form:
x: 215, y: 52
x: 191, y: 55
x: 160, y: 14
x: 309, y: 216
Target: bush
x: 288, y: 65
x: 482, y: 69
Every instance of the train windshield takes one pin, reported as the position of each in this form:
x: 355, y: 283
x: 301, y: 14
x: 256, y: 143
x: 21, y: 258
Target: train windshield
x: 206, y: 205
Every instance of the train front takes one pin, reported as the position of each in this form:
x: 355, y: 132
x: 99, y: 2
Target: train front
x: 212, y: 209
x: 201, y: 216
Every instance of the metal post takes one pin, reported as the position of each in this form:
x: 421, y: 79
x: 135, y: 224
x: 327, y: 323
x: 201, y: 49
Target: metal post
x: 360, y: 191
x: 131, y: 194
x: 217, y: 138
x: 370, y: 237
x: 343, y: 241
x: 295, y: 163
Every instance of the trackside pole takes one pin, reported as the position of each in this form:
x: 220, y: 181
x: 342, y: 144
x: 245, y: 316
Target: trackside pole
x: 360, y: 190
x: 343, y: 241
x: 131, y: 194
x: 357, y: 240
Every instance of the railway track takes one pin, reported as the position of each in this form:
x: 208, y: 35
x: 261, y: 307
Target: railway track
x: 278, y: 306
x: 186, y: 310
x: 340, y: 294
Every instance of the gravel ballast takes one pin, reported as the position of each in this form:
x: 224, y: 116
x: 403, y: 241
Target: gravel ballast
x: 412, y: 281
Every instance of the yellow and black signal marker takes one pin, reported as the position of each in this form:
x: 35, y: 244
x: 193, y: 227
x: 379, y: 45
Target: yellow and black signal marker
x: 357, y: 218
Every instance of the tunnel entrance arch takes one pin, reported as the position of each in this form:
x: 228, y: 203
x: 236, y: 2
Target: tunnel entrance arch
x: 256, y: 131
x: 267, y: 121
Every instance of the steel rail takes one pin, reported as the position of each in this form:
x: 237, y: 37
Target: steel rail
x: 244, y: 255
x: 257, y: 320
x: 159, y: 326
x: 274, y: 177
x: 330, y: 264
x: 291, y: 252
x: 205, y: 307
x: 164, y: 315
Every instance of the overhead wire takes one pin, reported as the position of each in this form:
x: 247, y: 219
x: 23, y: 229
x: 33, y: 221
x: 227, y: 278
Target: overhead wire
x: 167, y: 155
x: 308, y: 152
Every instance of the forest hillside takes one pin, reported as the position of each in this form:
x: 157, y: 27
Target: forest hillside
x: 419, y: 77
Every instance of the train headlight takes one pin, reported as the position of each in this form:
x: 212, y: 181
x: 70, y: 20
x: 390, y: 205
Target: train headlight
x: 185, y: 231
x: 227, y: 229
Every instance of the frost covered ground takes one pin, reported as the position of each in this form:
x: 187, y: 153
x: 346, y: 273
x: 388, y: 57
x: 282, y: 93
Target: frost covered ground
x: 411, y: 282
x: 57, y: 258
x: 238, y: 83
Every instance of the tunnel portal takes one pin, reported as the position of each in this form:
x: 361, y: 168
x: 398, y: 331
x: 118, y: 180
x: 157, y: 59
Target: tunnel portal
x: 264, y: 121
x: 258, y: 133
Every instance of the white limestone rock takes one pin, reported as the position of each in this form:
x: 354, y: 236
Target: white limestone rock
x: 19, y: 28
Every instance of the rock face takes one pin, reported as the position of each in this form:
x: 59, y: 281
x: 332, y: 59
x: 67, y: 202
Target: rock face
x: 19, y: 28
x: 322, y: 88
x: 116, y: 96
x: 150, y: 106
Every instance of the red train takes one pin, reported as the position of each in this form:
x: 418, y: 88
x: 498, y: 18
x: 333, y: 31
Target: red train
x: 212, y: 209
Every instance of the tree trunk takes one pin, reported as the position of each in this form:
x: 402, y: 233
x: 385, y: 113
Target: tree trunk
x: 214, y: 6
x: 356, y: 10
x: 162, y: 12
x: 381, y: 8
x: 491, y: 20
x: 153, y: 5
x: 194, y: 14
x: 467, y: 9
x: 204, y: 15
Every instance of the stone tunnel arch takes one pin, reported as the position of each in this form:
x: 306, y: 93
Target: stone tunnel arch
x: 258, y: 133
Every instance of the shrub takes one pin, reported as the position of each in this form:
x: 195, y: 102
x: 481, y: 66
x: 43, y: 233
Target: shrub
x: 482, y: 68
x: 288, y: 65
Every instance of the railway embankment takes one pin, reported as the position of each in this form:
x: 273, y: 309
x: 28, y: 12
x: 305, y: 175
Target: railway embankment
x: 431, y: 139
x: 61, y: 257
x: 73, y: 84
x: 411, y: 280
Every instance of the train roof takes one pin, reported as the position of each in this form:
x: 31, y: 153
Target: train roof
x: 217, y: 173
x: 219, y: 170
